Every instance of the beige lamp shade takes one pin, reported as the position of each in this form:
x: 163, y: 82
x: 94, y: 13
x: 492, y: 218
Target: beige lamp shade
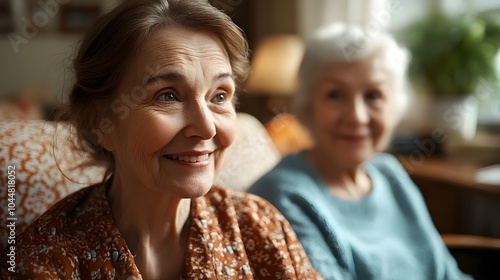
x: 275, y: 64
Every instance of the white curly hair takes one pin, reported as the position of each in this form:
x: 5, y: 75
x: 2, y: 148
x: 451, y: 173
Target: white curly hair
x: 341, y: 43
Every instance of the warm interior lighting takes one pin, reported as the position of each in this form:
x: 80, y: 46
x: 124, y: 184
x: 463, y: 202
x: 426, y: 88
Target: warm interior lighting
x: 275, y: 65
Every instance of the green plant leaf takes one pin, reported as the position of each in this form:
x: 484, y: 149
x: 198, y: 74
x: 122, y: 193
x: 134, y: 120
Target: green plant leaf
x: 450, y: 55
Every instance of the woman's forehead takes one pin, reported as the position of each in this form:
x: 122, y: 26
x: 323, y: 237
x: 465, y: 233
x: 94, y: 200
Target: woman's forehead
x: 172, y: 41
x: 373, y: 70
x: 178, y: 47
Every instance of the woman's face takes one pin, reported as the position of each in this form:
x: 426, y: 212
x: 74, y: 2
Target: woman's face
x: 174, y: 118
x: 352, y: 111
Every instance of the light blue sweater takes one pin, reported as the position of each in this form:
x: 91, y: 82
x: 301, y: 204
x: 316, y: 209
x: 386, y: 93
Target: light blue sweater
x: 386, y: 235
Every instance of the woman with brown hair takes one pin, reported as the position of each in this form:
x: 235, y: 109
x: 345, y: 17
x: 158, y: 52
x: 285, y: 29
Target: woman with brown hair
x: 153, y: 101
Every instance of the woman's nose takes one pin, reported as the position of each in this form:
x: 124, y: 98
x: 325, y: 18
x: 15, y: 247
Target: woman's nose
x: 358, y: 112
x: 199, y: 121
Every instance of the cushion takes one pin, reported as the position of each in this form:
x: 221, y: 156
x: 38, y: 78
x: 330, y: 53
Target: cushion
x: 251, y: 155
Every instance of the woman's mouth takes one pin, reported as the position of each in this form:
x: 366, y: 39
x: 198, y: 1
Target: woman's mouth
x: 188, y: 158
x: 354, y: 137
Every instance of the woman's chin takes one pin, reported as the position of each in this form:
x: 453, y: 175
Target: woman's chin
x: 195, y: 190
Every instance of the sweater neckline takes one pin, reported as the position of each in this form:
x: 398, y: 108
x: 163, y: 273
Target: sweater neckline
x: 366, y: 201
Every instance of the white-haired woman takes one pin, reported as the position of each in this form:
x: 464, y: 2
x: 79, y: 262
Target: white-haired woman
x: 356, y: 211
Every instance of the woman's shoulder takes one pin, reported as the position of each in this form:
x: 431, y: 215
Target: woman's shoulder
x: 222, y: 198
x: 270, y: 244
x: 387, y: 170
x: 385, y: 159
x: 250, y: 212
x: 63, y: 213
x: 389, y: 165
x: 70, y: 231
x: 71, y: 210
x: 244, y: 209
x: 289, y: 176
x: 292, y: 164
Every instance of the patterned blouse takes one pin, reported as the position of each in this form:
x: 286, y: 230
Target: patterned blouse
x: 232, y: 236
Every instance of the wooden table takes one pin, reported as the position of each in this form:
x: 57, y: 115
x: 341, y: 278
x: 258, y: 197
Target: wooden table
x: 457, y: 202
x: 465, y: 212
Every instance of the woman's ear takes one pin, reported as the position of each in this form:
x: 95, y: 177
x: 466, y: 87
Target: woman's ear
x: 107, y: 142
x: 101, y: 126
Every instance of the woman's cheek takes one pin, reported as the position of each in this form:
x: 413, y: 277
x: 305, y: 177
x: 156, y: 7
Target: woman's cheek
x: 156, y: 132
x: 226, y: 128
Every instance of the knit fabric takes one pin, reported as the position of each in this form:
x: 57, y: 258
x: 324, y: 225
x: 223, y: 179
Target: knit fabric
x: 387, y: 234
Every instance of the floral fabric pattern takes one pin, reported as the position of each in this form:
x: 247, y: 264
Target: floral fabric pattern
x: 46, y: 169
x: 232, y: 236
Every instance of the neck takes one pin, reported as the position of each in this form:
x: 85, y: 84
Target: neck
x: 345, y: 181
x: 154, y: 225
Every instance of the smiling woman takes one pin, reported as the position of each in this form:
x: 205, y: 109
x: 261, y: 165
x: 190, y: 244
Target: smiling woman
x: 153, y: 102
x: 355, y: 210
x: 185, y: 114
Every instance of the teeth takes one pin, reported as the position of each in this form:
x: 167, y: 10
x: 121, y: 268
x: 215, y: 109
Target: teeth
x: 189, y: 158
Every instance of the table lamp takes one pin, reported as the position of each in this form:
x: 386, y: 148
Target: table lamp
x: 275, y: 64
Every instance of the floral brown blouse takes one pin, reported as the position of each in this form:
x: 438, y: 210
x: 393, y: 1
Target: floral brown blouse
x: 232, y: 236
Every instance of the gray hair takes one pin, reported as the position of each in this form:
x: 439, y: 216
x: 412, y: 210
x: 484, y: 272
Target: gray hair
x: 341, y: 43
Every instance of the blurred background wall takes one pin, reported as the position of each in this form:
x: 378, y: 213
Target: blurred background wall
x: 50, y: 29
x: 38, y: 38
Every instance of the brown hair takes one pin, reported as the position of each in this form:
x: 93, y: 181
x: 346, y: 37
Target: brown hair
x: 106, y: 50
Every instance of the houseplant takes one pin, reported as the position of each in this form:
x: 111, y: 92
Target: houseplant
x: 451, y: 56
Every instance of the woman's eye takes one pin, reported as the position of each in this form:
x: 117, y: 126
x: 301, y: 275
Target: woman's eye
x: 374, y: 95
x: 219, y: 98
x: 166, y: 97
x: 334, y: 94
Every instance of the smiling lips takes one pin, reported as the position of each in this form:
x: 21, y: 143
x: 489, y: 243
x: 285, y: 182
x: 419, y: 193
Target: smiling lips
x: 187, y: 158
x: 354, y: 137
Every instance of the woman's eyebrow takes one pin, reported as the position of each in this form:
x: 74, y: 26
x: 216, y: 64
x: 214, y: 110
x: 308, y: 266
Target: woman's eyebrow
x: 381, y: 81
x: 223, y: 75
x: 171, y: 76
x: 175, y: 76
x: 334, y: 80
